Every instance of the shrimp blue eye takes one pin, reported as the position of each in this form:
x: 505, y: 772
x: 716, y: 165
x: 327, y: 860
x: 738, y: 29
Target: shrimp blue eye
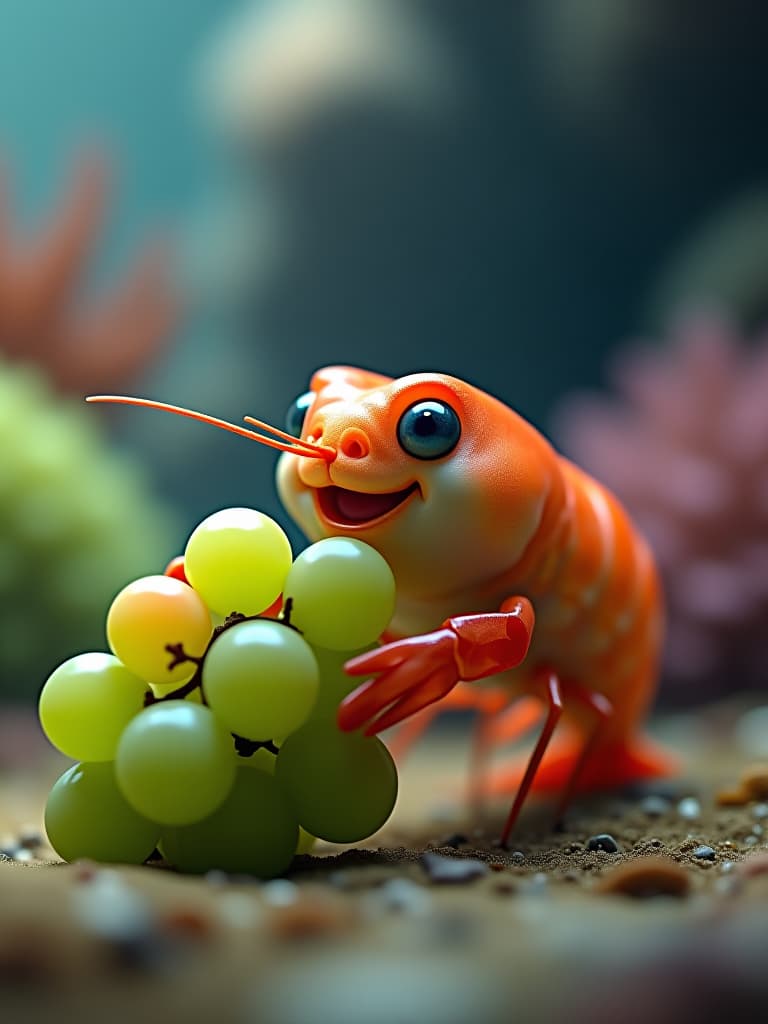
x: 429, y: 429
x: 294, y: 418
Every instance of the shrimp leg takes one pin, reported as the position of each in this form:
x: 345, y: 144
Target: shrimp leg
x: 555, y: 701
x: 603, y: 710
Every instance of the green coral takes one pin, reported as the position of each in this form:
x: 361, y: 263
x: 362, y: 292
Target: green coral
x: 77, y: 522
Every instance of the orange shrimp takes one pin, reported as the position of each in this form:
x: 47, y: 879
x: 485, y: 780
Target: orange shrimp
x: 487, y: 529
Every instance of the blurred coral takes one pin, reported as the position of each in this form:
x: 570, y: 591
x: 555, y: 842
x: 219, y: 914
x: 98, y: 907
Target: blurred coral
x: 77, y: 522
x: 685, y: 446
x: 80, y: 347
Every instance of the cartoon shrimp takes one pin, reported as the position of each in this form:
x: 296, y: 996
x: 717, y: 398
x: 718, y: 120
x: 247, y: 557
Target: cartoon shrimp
x: 486, y: 529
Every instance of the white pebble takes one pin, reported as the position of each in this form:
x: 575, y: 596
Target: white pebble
x: 280, y: 892
x: 400, y: 894
x: 110, y: 908
x: 239, y: 910
x: 689, y: 808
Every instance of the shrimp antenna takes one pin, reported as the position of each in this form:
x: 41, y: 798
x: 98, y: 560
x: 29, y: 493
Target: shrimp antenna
x: 283, y: 441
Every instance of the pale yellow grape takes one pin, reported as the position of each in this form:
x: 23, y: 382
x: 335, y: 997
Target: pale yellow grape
x: 260, y: 679
x: 87, y: 702
x: 237, y: 559
x: 174, y: 762
x: 147, y: 616
x: 343, y: 593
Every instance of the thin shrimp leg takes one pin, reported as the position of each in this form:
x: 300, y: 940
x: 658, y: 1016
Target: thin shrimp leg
x: 555, y: 710
x: 494, y: 729
x: 603, y: 710
x: 463, y: 698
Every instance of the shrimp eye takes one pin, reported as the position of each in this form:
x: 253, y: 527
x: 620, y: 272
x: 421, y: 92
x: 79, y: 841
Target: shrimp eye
x: 428, y: 429
x: 294, y: 418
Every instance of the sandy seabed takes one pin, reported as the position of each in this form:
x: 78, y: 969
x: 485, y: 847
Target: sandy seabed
x: 428, y: 921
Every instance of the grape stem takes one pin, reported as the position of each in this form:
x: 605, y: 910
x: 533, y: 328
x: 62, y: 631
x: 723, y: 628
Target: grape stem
x: 180, y: 657
x: 247, y: 748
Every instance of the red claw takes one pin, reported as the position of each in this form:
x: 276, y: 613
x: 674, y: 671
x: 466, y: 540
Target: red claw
x: 415, y: 672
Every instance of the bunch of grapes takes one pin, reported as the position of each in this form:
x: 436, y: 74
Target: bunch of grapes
x: 209, y: 732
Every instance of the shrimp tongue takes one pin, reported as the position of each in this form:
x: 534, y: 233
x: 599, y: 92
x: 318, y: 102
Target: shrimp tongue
x: 358, y: 506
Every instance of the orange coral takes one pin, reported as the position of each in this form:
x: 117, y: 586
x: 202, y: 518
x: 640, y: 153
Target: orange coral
x: 80, y: 346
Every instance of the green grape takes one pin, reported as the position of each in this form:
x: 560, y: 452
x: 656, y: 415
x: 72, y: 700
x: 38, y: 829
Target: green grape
x: 150, y: 614
x: 260, y: 679
x: 343, y: 785
x: 343, y: 593
x: 253, y: 832
x: 87, y: 816
x: 306, y: 842
x: 237, y: 559
x: 335, y: 684
x: 174, y: 762
x: 87, y: 702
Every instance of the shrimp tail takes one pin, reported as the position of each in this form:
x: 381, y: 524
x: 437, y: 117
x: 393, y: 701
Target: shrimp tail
x: 614, y: 764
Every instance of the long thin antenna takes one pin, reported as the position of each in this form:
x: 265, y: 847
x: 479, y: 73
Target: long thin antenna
x: 291, y: 444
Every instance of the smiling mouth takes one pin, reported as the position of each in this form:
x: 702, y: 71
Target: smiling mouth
x: 343, y: 507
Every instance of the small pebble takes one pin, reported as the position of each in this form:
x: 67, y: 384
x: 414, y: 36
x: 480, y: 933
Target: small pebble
x: 757, y: 830
x: 505, y: 888
x: 239, y: 910
x: 705, y: 853
x: 728, y: 885
x: 309, y: 918
x: 455, y: 840
x: 689, y: 808
x: 280, y: 892
x: 538, y: 884
x: 726, y: 866
x: 517, y: 857
x: 30, y: 839
x: 654, y: 806
x: 402, y: 896
x: 646, y: 878
x: 751, y: 841
x: 85, y: 871
x: 185, y: 922
x: 760, y: 811
x: 452, y: 870
x: 755, y: 781
x: 23, y: 855
x: 111, y: 909
x: 603, y: 842
x: 734, y: 797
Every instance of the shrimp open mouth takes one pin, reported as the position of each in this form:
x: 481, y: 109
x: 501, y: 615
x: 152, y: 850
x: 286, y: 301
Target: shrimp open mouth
x: 343, y: 507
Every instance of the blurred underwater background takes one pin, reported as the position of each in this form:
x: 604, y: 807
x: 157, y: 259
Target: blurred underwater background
x: 205, y: 200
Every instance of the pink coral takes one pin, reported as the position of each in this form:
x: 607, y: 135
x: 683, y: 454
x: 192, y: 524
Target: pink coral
x: 685, y: 447
x: 80, y: 347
